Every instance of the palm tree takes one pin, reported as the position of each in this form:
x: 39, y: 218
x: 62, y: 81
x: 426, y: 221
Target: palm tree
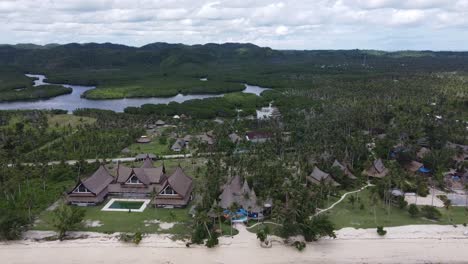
x: 203, y: 219
x: 466, y: 195
x: 232, y: 212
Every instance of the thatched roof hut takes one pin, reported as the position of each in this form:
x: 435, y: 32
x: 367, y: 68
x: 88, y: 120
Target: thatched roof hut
x: 344, y: 169
x: 317, y: 176
x: 377, y: 169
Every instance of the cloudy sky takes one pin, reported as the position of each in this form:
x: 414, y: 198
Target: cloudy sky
x: 282, y: 24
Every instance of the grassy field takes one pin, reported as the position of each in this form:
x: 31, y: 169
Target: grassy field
x: 153, y: 147
x: 60, y: 121
x: 344, y: 215
x: 128, y: 222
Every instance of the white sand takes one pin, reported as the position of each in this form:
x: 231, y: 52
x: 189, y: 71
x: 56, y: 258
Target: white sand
x: 162, y: 225
x: 430, y: 199
x: 407, y: 244
x: 93, y: 223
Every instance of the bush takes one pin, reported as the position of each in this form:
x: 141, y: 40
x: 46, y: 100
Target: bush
x: 131, y: 238
x: 262, y: 233
x: 381, y: 231
x: 213, y: 241
x: 299, y: 245
x: 430, y: 212
x: 402, y: 203
x: 413, y: 210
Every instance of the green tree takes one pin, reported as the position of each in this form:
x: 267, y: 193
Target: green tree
x: 66, y: 218
x: 413, y: 210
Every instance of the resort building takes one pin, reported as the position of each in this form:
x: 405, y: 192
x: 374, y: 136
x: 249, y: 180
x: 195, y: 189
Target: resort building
x: 377, y: 169
x: 269, y: 112
x: 344, y: 169
x: 258, y: 136
x: 236, y: 192
x: 173, y: 190
x: 318, y: 176
x: 92, y: 190
x: 143, y: 140
x: 179, y: 145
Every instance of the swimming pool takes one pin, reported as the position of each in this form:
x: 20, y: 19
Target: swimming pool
x: 126, y: 205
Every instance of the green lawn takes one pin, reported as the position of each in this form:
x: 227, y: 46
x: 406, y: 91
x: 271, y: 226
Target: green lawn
x: 128, y: 222
x: 153, y: 147
x: 344, y: 215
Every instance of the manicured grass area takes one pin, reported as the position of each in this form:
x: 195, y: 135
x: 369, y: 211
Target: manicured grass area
x: 153, y: 147
x: 60, y: 121
x: 344, y: 215
x: 128, y: 222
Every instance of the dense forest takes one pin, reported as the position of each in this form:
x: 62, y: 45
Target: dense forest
x: 354, y: 106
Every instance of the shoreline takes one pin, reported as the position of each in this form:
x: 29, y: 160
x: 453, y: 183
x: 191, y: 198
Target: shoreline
x: 404, y: 244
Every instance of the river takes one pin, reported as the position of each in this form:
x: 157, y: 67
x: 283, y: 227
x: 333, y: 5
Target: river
x: 73, y: 101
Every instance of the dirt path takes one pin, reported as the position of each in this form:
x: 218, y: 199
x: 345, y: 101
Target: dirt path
x: 341, y: 199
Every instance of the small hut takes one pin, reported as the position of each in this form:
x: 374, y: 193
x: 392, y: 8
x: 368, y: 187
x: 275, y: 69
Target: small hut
x: 376, y: 170
x: 160, y: 123
x: 143, y: 140
x: 317, y: 176
x: 344, y: 169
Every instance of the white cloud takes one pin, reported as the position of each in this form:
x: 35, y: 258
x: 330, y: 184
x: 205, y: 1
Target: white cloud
x: 379, y: 24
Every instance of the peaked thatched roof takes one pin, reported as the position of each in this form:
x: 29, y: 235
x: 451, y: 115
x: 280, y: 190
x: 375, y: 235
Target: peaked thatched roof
x: 98, y: 181
x: 243, y: 195
x: 317, y: 176
x: 343, y: 168
x: 377, y: 169
x: 413, y: 166
x: 145, y: 175
x: 180, y: 182
x: 160, y: 122
x: 148, y: 163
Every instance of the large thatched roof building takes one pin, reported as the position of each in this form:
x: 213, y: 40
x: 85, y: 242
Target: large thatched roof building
x: 236, y: 192
x: 92, y: 190
x: 146, y: 181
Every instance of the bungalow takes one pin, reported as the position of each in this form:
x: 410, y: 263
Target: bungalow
x: 318, y: 176
x: 241, y: 194
x: 143, y: 140
x: 377, y: 169
x: 160, y: 123
x: 92, y: 190
x: 413, y: 166
x: 234, y: 138
x: 258, y: 136
x: 344, y: 169
x: 176, y: 190
x: 179, y: 145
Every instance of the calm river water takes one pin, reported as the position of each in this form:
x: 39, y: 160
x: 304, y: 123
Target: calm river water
x: 73, y: 101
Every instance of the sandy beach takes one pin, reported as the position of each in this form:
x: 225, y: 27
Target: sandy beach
x: 406, y: 244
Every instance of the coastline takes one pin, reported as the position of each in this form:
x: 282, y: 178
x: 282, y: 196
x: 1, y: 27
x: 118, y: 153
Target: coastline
x: 404, y: 244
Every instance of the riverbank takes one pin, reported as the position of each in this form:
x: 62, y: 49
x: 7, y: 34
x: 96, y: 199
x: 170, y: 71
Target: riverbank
x: 405, y: 244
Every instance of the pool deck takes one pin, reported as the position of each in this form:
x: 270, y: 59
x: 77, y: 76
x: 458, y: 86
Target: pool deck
x: 141, y: 209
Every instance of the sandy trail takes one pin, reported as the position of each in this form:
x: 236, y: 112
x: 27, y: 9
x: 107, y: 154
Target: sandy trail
x: 407, y: 244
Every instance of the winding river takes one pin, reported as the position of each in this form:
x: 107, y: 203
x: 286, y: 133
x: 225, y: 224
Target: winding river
x: 74, y: 100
